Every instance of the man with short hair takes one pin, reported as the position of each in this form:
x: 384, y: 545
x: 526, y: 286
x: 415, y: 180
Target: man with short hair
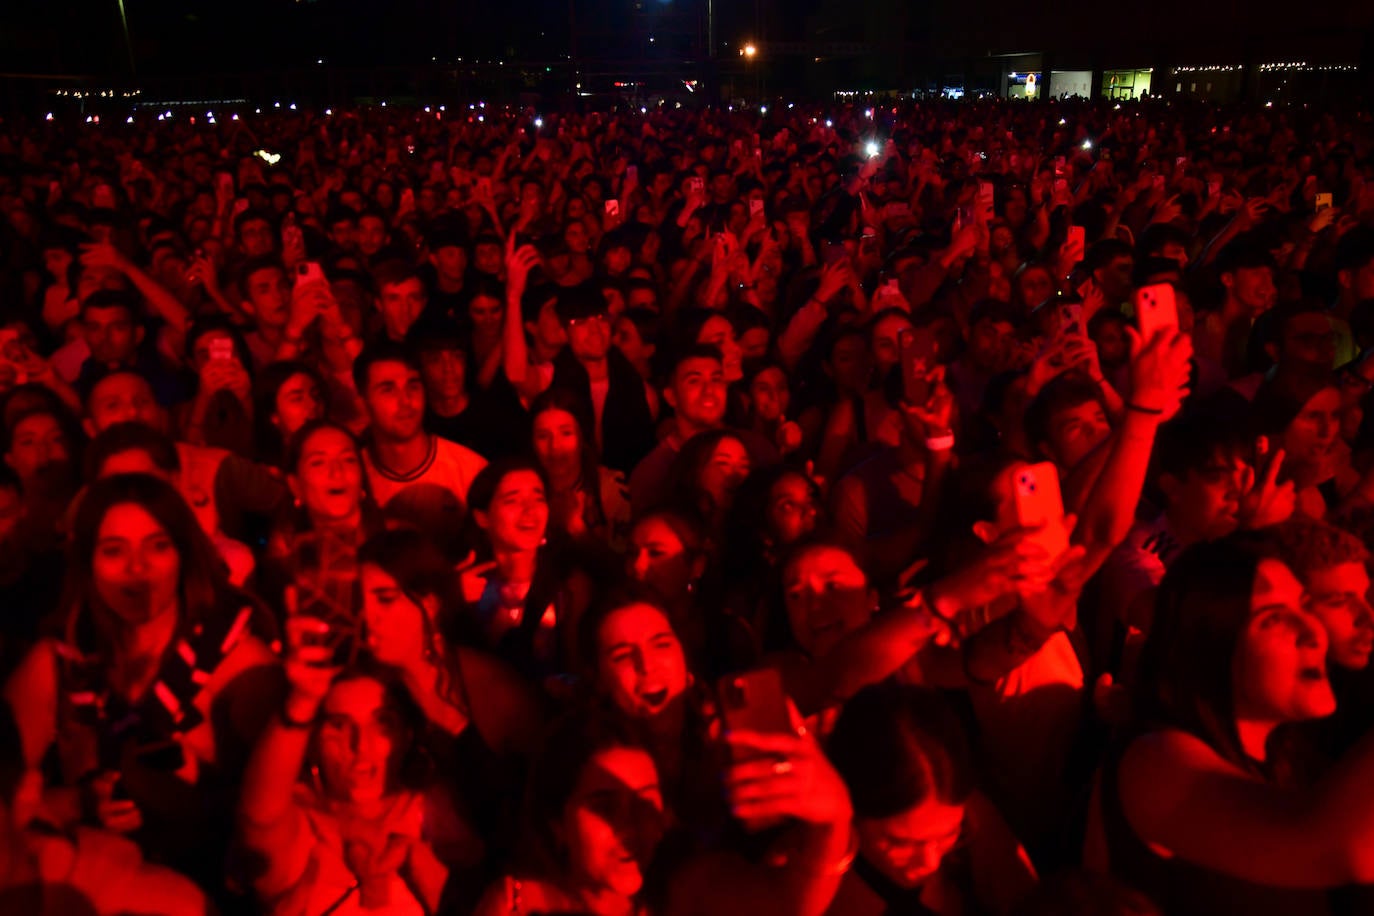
x: 489, y: 421
x: 696, y: 390
x: 373, y: 232
x: 267, y: 297
x: 616, y: 408
x: 1333, y: 566
x: 412, y: 474
x: 400, y: 299
x: 223, y: 489
x: 446, y: 272
x: 113, y: 332
x: 1247, y: 275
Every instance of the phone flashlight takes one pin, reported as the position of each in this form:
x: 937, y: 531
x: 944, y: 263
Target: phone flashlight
x: 872, y: 148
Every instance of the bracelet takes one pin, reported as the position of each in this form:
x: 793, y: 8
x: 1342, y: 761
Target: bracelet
x: 1148, y: 411
x: 291, y: 723
x: 940, y: 443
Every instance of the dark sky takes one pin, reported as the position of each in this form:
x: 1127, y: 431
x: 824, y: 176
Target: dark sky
x: 208, y: 36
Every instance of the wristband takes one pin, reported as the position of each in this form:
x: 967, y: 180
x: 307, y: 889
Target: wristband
x: 1148, y: 411
x: 940, y: 443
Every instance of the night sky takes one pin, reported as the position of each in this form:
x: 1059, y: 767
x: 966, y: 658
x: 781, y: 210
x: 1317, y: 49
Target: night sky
x: 207, y: 36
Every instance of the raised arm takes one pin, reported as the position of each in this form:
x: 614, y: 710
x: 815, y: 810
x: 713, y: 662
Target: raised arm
x: 519, y: 263
x: 778, y: 777
x: 1159, y: 378
x: 269, y: 821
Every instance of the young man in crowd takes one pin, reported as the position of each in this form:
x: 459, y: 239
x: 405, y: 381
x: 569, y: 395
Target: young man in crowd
x: 412, y: 474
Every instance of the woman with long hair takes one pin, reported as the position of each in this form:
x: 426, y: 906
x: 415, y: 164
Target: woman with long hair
x: 586, y: 499
x: 158, y: 686
x: 519, y: 593
x: 330, y: 514
x: 1202, y: 808
x: 929, y: 841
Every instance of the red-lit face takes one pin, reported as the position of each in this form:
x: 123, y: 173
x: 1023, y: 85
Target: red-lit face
x: 908, y: 848
x: 640, y: 662
x: 36, y: 442
x: 613, y: 822
x: 329, y: 476
x: 395, y: 399
x: 557, y: 440
x: 359, y: 734
x: 518, y: 515
x: 1339, y: 596
x: 719, y: 333
x: 400, y: 304
x: 827, y: 597
x: 124, y: 397
x: 298, y: 402
x: 1279, y: 669
x: 1312, y: 436
x: 395, y: 623
x: 136, y: 567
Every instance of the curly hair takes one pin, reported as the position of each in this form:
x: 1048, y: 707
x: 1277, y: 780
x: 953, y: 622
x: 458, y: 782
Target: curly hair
x: 1306, y: 545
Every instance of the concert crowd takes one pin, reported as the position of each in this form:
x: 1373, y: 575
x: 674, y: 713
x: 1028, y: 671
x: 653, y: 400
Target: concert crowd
x: 862, y: 509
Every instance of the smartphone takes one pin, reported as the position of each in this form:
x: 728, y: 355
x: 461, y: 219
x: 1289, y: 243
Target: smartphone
x: 1155, y: 309
x: 309, y: 272
x: 221, y: 348
x: 1077, y: 238
x: 1324, y: 201
x: 327, y: 583
x: 755, y: 206
x: 1060, y: 163
x: 754, y: 701
x: 986, y: 196
x: 696, y: 184
x: 1180, y: 162
x: 918, y: 351
x: 612, y: 208
x: 1071, y: 320
x: 1039, y: 504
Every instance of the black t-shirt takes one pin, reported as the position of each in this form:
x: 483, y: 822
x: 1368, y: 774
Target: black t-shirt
x: 495, y: 424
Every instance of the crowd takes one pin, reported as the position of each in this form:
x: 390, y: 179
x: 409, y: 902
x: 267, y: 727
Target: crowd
x: 931, y: 509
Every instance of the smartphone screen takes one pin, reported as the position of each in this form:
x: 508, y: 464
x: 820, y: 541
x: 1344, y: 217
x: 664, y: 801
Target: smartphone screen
x: 1077, y: 239
x: 918, y: 350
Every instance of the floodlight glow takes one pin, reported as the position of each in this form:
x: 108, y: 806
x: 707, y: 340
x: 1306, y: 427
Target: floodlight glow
x: 538, y: 122
x: 872, y: 149
x: 750, y: 50
x: 1087, y: 144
